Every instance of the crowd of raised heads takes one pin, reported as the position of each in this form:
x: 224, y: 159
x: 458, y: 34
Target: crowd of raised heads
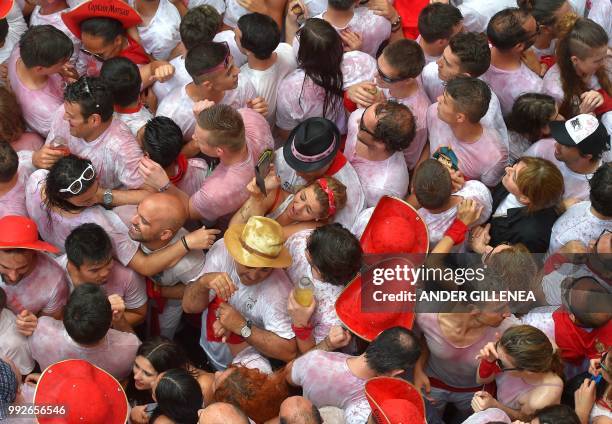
x: 305, y: 211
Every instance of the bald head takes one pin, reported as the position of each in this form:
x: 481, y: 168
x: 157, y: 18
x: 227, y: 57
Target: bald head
x: 166, y: 210
x: 222, y: 413
x: 299, y: 410
x: 158, y: 218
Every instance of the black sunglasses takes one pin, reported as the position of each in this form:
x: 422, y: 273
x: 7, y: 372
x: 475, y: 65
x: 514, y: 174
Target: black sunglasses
x: 500, y: 364
x: 96, y: 56
x: 387, y: 78
x: 362, y: 126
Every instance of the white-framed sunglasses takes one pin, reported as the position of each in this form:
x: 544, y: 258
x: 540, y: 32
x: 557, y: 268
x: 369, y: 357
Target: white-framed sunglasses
x: 77, y: 185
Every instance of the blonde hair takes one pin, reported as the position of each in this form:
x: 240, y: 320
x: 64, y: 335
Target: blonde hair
x: 12, y: 125
x: 577, y: 37
x: 541, y: 182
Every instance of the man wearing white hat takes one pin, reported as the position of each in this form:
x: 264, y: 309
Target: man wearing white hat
x: 578, y: 148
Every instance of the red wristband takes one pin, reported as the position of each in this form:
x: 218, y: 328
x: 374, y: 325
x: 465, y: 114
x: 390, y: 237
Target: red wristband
x: 349, y: 105
x: 457, y: 231
x: 487, y: 369
x: 302, y: 333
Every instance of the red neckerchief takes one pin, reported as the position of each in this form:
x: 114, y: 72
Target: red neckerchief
x: 135, y: 53
x: 211, y: 317
x: 548, y: 60
x: 155, y: 294
x: 127, y: 110
x: 336, y: 165
x: 575, y: 343
x: 181, y: 161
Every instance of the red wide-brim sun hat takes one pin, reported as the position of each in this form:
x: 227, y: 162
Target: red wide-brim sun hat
x: 20, y: 232
x: 395, y: 227
x: 88, y: 394
x: 113, y: 9
x: 5, y: 8
x: 395, y: 401
x: 368, y: 325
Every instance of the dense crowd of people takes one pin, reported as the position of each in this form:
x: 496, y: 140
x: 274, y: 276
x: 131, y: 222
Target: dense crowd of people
x: 195, y: 194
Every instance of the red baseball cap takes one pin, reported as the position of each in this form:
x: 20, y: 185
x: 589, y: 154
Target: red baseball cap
x: 5, y: 8
x: 395, y: 401
x: 113, y: 9
x: 368, y: 325
x: 395, y: 227
x: 89, y: 394
x: 20, y: 232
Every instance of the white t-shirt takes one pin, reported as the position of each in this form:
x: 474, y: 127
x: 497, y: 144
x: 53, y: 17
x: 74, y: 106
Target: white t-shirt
x: 362, y: 221
x: 161, y: 35
x: 14, y: 345
x: 115, y: 354
x: 13, y: 202
x: 551, y: 282
x: 300, y: 98
x: 518, y: 146
x: 418, y: 103
x: 434, y: 87
x: 55, y: 227
x: 43, y: 291
x: 266, y: 82
x: 317, y: 372
x: 122, y: 281
x: 178, y: 106
x: 509, y: 202
x: 186, y: 270
x: 136, y: 120
x: 509, y: 85
x: 378, y: 178
x: 17, y: 26
x: 577, y: 223
x: 484, y: 159
x: 115, y: 153
x: 373, y: 29
x: 197, y: 170
x: 454, y: 365
x: 355, y: 196
x: 488, y: 8
x: 324, y: 316
x: 601, y: 13
x: 264, y: 303
x: 576, y: 185
x: 55, y: 19
x: 223, y: 191
x: 37, y: 106
x: 438, y: 223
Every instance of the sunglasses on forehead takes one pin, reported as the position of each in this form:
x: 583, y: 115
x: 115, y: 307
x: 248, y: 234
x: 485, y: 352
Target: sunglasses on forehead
x: 225, y: 63
x: 76, y: 186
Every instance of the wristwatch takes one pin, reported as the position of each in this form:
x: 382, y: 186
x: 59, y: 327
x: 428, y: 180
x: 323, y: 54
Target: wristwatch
x: 107, y: 198
x: 246, y: 330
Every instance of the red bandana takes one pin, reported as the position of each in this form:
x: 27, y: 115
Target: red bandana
x: 135, y: 53
x: 181, y: 161
x: 336, y: 165
x: 127, y: 110
x: 211, y: 317
x: 576, y: 343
